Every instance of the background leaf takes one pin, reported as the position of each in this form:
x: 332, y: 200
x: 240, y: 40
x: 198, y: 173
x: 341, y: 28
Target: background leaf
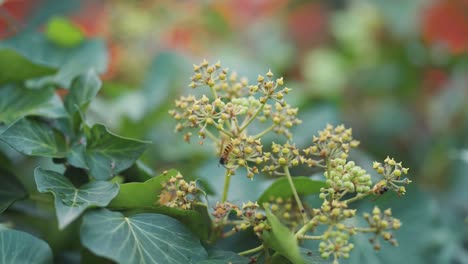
x: 11, y: 189
x: 15, y: 67
x: 70, y: 201
x: 32, y: 137
x: 84, y: 88
x: 142, y: 238
x: 281, y: 239
x: 20, y: 247
x: 63, y: 32
x: 281, y: 188
x: 70, y: 62
x: 17, y: 101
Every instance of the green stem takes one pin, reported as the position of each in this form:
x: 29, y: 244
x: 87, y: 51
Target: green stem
x: 365, y: 230
x: 296, y: 196
x: 213, y: 91
x: 300, y: 233
x: 264, y: 132
x: 260, y: 109
x: 251, y: 251
x: 227, y: 181
x: 358, y: 197
x: 311, y: 237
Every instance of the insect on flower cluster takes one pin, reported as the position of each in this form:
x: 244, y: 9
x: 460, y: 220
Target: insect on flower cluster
x: 229, y: 115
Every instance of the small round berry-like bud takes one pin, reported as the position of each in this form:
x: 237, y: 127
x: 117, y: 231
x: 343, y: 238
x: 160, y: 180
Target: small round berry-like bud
x: 180, y: 193
x: 279, y: 95
x: 280, y: 81
x: 397, y: 172
x: 323, y: 218
x: 388, y: 212
x: 192, y: 85
x: 282, y: 161
x: 209, y: 121
x: 241, y: 162
x: 380, y: 170
x: 269, y: 74
x: 211, y: 82
x: 396, y: 224
x: 260, y: 78
x: 384, y: 224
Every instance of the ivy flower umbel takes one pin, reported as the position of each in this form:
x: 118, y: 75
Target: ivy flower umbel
x: 391, y: 172
x: 331, y: 143
x: 178, y: 193
x: 381, y: 224
x: 282, y: 155
x: 225, y: 114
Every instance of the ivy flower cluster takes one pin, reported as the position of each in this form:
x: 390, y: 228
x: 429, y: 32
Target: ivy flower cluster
x: 178, y: 193
x: 249, y: 216
x: 231, y: 107
x: 226, y: 116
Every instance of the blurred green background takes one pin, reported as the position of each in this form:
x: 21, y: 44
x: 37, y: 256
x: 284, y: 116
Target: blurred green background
x: 395, y: 71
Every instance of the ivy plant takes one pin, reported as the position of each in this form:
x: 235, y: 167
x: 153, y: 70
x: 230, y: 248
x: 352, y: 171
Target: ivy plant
x: 169, y: 218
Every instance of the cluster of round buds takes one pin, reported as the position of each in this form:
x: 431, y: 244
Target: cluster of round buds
x: 178, y: 193
x: 269, y: 88
x: 332, y: 142
x: 381, y: 224
x: 283, y: 116
x: 333, y: 212
x: 252, y: 217
x: 244, y: 151
x: 286, y: 210
x: 222, y: 211
x: 335, y: 243
x: 286, y: 155
x: 391, y: 172
x: 345, y: 177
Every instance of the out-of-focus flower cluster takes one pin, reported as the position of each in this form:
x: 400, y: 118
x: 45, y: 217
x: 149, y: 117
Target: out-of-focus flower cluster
x: 178, y: 193
x: 250, y: 215
x: 287, y: 211
x: 381, y: 224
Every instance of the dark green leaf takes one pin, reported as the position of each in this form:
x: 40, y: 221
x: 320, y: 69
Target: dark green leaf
x: 19, y: 247
x: 144, y: 197
x: 71, y: 202
x: 62, y: 32
x: 108, y: 154
x: 217, y: 256
x: 142, y: 238
x: 70, y: 62
x: 281, y: 188
x: 15, y: 67
x: 281, y: 239
x: 17, y: 101
x: 11, y: 189
x: 32, y: 137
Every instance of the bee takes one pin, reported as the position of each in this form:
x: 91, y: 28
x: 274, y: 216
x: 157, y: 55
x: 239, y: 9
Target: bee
x: 224, y: 155
x: 380, y: 188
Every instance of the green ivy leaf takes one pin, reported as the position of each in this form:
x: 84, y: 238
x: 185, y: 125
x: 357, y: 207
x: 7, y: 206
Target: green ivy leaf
x: 71, y: 202
x: 281, y: 239
x: 141, y: 238
x: 17, y: 101
x: 83, y: 89
x: 11, y: 189
x: 281, y: 188
x: 144, y: 197
x: 107, y: 154
x: 63, y: 32
x: 216, y: 256
x: 70, y: 62
x: 20, y: 247
x: 15, y: 67
x: 32, y: 137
